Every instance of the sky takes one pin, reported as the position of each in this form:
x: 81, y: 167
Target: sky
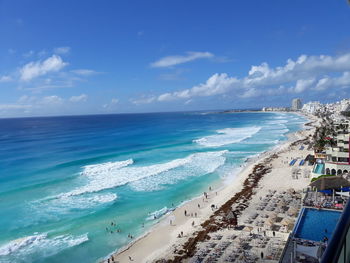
x: 98, y: 57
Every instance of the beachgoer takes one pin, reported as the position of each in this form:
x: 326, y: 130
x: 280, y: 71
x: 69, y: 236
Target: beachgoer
x: 185, y: 213
x: 130, y: 258
x: 273, y: 233
x: 143, y: 224
x: 171, y: 222
x: 199, y: 206
x: 209, y: 188
x: 195, y: 214
x: 192, y: 223
x: 178, y: 235
x: 182, y: 233
x: 108, y: 260
x: 262, y: 255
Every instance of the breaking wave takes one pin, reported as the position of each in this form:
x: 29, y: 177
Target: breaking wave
x: 228, y: 136
x: 37, y: 246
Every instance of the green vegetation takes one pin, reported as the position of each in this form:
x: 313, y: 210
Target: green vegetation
x: 323, y: 175
x: 321, y: 133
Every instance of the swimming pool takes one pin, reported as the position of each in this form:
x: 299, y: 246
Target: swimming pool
x: 316, y: 224
x: 319, y: 168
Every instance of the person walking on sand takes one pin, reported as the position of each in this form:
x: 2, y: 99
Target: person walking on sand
x: 185, y: 213
x: 171, y: 222
x: 192, y: 223
x: 199, y: 206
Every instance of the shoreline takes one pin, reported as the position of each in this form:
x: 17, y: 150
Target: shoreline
x: 162, y: 238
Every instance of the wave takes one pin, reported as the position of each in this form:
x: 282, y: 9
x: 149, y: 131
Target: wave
x: 52, y: 206
x: 228, y: 136
x: 101, y: 178
x: 278, y: 121
x: 38, y: 246
x: 194, y: 165
x: 159, y: 213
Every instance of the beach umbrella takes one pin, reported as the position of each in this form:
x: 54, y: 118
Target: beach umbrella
x: 273, y: 215
x: 292, y: 210
x: 286, y: 221
x: 248, y: 228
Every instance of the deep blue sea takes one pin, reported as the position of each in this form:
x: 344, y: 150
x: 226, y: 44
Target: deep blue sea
x: 63, y: 180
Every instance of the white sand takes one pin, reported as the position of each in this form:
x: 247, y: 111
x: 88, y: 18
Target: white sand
x: 161, y: 241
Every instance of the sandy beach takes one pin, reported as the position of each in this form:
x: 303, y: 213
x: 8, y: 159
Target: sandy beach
x: 180, y: 234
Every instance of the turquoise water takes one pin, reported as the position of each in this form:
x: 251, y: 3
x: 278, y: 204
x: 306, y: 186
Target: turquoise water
x: 316, y: 224
x: 319, y: 168
x: 63, y: 180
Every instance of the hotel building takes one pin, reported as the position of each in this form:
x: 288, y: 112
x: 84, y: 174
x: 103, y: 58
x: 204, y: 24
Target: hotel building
x: 338, y: 157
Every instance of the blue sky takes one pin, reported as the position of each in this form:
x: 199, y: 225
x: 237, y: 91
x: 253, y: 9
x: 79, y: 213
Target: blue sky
x: 95, y: 57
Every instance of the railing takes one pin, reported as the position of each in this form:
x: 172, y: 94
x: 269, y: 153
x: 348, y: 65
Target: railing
x: 338, y: 249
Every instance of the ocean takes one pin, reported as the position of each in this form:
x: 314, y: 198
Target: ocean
x: 63, y: 180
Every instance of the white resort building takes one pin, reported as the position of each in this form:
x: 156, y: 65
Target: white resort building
x: 338, y: 157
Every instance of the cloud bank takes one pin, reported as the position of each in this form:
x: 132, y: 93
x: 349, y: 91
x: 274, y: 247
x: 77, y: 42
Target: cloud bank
x: 295, y: 76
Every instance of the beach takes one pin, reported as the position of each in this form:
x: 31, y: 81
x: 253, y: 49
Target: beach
x: 178, y: 234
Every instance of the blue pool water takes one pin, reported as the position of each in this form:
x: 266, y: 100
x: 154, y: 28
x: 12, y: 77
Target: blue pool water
x: 64, y: 179
x: 314, y: 223
x: 319, y: 168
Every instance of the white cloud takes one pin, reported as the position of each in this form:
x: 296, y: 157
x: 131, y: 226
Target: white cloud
x: 301, y: 85
x: 301, y: 75
x: 177, y: 59
x: 143, y: 100
x: 28, y: 54
x: 39, y: 68
x: 5, y: 107
x: 51, y: 100
x: 5, y: 78
x: 61, y: 50
x: 80, y: 98
x: 111, y: 105
x: 84, y: 72
x: 33, y: 105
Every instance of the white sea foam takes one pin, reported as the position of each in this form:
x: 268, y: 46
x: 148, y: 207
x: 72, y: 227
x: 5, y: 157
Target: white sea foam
x: 159, y: 213
x: 41, y: 245
x: 102, y: 179
x: 15, y: 245
x: 228, y: 136
x: 278, y: 121
x: 194, y: 165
